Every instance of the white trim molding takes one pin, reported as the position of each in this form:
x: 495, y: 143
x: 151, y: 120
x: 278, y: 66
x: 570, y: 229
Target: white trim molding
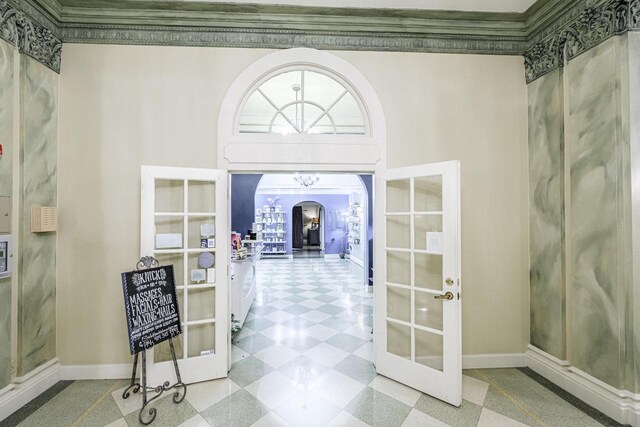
x: 490, y: 361
x: 96, y: 372
x: 31, y: 386
x: 621, y: 405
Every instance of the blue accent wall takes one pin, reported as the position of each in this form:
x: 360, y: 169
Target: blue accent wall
x: 367, y: 180
x: 243, y: 191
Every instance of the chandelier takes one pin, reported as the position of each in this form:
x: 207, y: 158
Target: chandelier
x: 306, y: 180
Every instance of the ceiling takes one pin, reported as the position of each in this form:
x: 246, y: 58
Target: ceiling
x: 518, y: 6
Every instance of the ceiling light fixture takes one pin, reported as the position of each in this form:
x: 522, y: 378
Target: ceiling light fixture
x: 306, y: 180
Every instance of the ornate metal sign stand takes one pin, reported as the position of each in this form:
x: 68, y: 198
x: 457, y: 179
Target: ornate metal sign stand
x: 143, y: 264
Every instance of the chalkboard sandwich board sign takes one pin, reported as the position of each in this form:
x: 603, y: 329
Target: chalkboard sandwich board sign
x: 151, y: 306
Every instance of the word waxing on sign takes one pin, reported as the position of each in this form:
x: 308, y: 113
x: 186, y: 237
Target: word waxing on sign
x: 151, y: 307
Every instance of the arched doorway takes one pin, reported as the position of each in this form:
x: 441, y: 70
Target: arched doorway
x: 307, y: 229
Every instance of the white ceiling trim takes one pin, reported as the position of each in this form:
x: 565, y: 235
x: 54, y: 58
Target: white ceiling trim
x: 518, y: 6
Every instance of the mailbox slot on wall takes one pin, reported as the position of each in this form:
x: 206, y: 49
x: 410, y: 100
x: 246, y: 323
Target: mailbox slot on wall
x: 6, y: 255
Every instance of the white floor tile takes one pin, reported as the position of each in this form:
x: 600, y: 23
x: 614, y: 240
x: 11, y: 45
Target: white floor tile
x: 128, y: 405
x: 203, y: 395
x: 279, y: 316
x: 118, y: 423
x: 277, y: 355
x: 237, y: 354
x: 196, y: 421
x: 489, y: 418
x: 337, y: 388
x: 309, y: 294
x: 243, y: 333
x: 312, y: 304
x: 345, y: 419
x: 281, y: 304
x: 366, y: 352
x: 320, y: 332
x: 272, y: 389
x: 360, y: 331
x: 394, y: 389
x: 270, y: 420
x: 420, y: 419
x: 277, y: 332
x: 326, y: 354
x: 474, y: 390
x: 315, y: 316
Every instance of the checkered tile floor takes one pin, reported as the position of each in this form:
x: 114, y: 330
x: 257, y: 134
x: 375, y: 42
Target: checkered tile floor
x: 303, y: 359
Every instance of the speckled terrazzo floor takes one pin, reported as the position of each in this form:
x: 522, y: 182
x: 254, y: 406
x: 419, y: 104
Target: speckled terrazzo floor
x: 303, y: 359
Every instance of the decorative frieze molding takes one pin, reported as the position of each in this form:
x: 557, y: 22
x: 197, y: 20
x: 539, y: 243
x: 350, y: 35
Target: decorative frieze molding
x: 283, y: 39
x: 29, y: 36
x: 590, y: 28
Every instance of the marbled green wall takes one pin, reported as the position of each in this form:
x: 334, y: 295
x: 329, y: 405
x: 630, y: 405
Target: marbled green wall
x: 632, y: 347
x: 546, y: 214
x: 38, y: 181
x: 600, y: 214
x: 6, y: 137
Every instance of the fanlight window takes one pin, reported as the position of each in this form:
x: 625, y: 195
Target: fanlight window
x: 302, y: 101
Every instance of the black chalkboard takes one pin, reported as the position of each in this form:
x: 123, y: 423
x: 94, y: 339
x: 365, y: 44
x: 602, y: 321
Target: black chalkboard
x: 151, y: 307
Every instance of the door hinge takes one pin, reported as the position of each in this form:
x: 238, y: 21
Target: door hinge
x: 12, y: 368
x: 458, y: 295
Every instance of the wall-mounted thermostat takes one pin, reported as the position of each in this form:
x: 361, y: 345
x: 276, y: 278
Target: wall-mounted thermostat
x: 44, y: 219
x: 6, y: 255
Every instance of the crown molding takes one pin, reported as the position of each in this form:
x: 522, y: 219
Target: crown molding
x: 20, y: 27
x: 590, y: 27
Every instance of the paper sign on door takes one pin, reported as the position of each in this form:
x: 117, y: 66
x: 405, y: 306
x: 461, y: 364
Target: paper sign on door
x: 434, y: 241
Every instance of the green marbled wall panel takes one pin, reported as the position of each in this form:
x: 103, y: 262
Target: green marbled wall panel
x: 38, y: 173
x: 597, y: 139
x: 633, y: 317
x: 6, y: 137
x: 546, y: 214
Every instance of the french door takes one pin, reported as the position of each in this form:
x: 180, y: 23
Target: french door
x: 184, y: 222
x: 417, y: 307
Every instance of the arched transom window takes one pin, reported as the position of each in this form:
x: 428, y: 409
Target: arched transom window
x: 302, y: 100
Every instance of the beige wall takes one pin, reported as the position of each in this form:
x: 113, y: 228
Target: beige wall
x: 123, y: 106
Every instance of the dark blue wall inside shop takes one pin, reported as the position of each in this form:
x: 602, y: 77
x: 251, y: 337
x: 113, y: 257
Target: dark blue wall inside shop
x: 243, y: 191
x: 367, y: 180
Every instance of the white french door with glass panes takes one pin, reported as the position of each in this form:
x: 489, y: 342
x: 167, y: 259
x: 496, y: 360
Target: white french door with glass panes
x: 417, y: 308
x: 181, y: 207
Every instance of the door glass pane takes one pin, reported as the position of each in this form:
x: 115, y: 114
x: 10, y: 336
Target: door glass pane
x: 399, y: 267
x: 162, y: 351
x: 398, y: 196
x: 169, y: 232
x: 429, y: 349
x: 399, y: 340
x: 169, y: 195
x: 201, y: 339
x: 428, y: 310
x: 202, y: 232
x: 348, y: 116
x: 202, y: 304
x: 431, y: 226
x: 177, y: 260
x: 321, y: 89
x: 399, y: 303
x: 282, y: 126
x: 428, y: 193
x: 399, y: 231
x: 201, y: 268
x: 202, y: 196
x: 428, y: 271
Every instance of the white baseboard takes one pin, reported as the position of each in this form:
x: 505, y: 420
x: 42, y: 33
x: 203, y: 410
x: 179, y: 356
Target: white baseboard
x: 356, y: 261
x: 96, y: 372
x: 621, y: 405
x: 32, y: 385
x: 488, y: 361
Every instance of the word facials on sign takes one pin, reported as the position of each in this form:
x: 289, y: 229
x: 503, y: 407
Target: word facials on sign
x: 151, y: 307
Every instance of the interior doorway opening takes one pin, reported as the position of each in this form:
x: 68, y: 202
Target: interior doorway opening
x: 307, y: 230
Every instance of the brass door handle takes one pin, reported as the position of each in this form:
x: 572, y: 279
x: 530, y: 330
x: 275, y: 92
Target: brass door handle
x: 447, y: 296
